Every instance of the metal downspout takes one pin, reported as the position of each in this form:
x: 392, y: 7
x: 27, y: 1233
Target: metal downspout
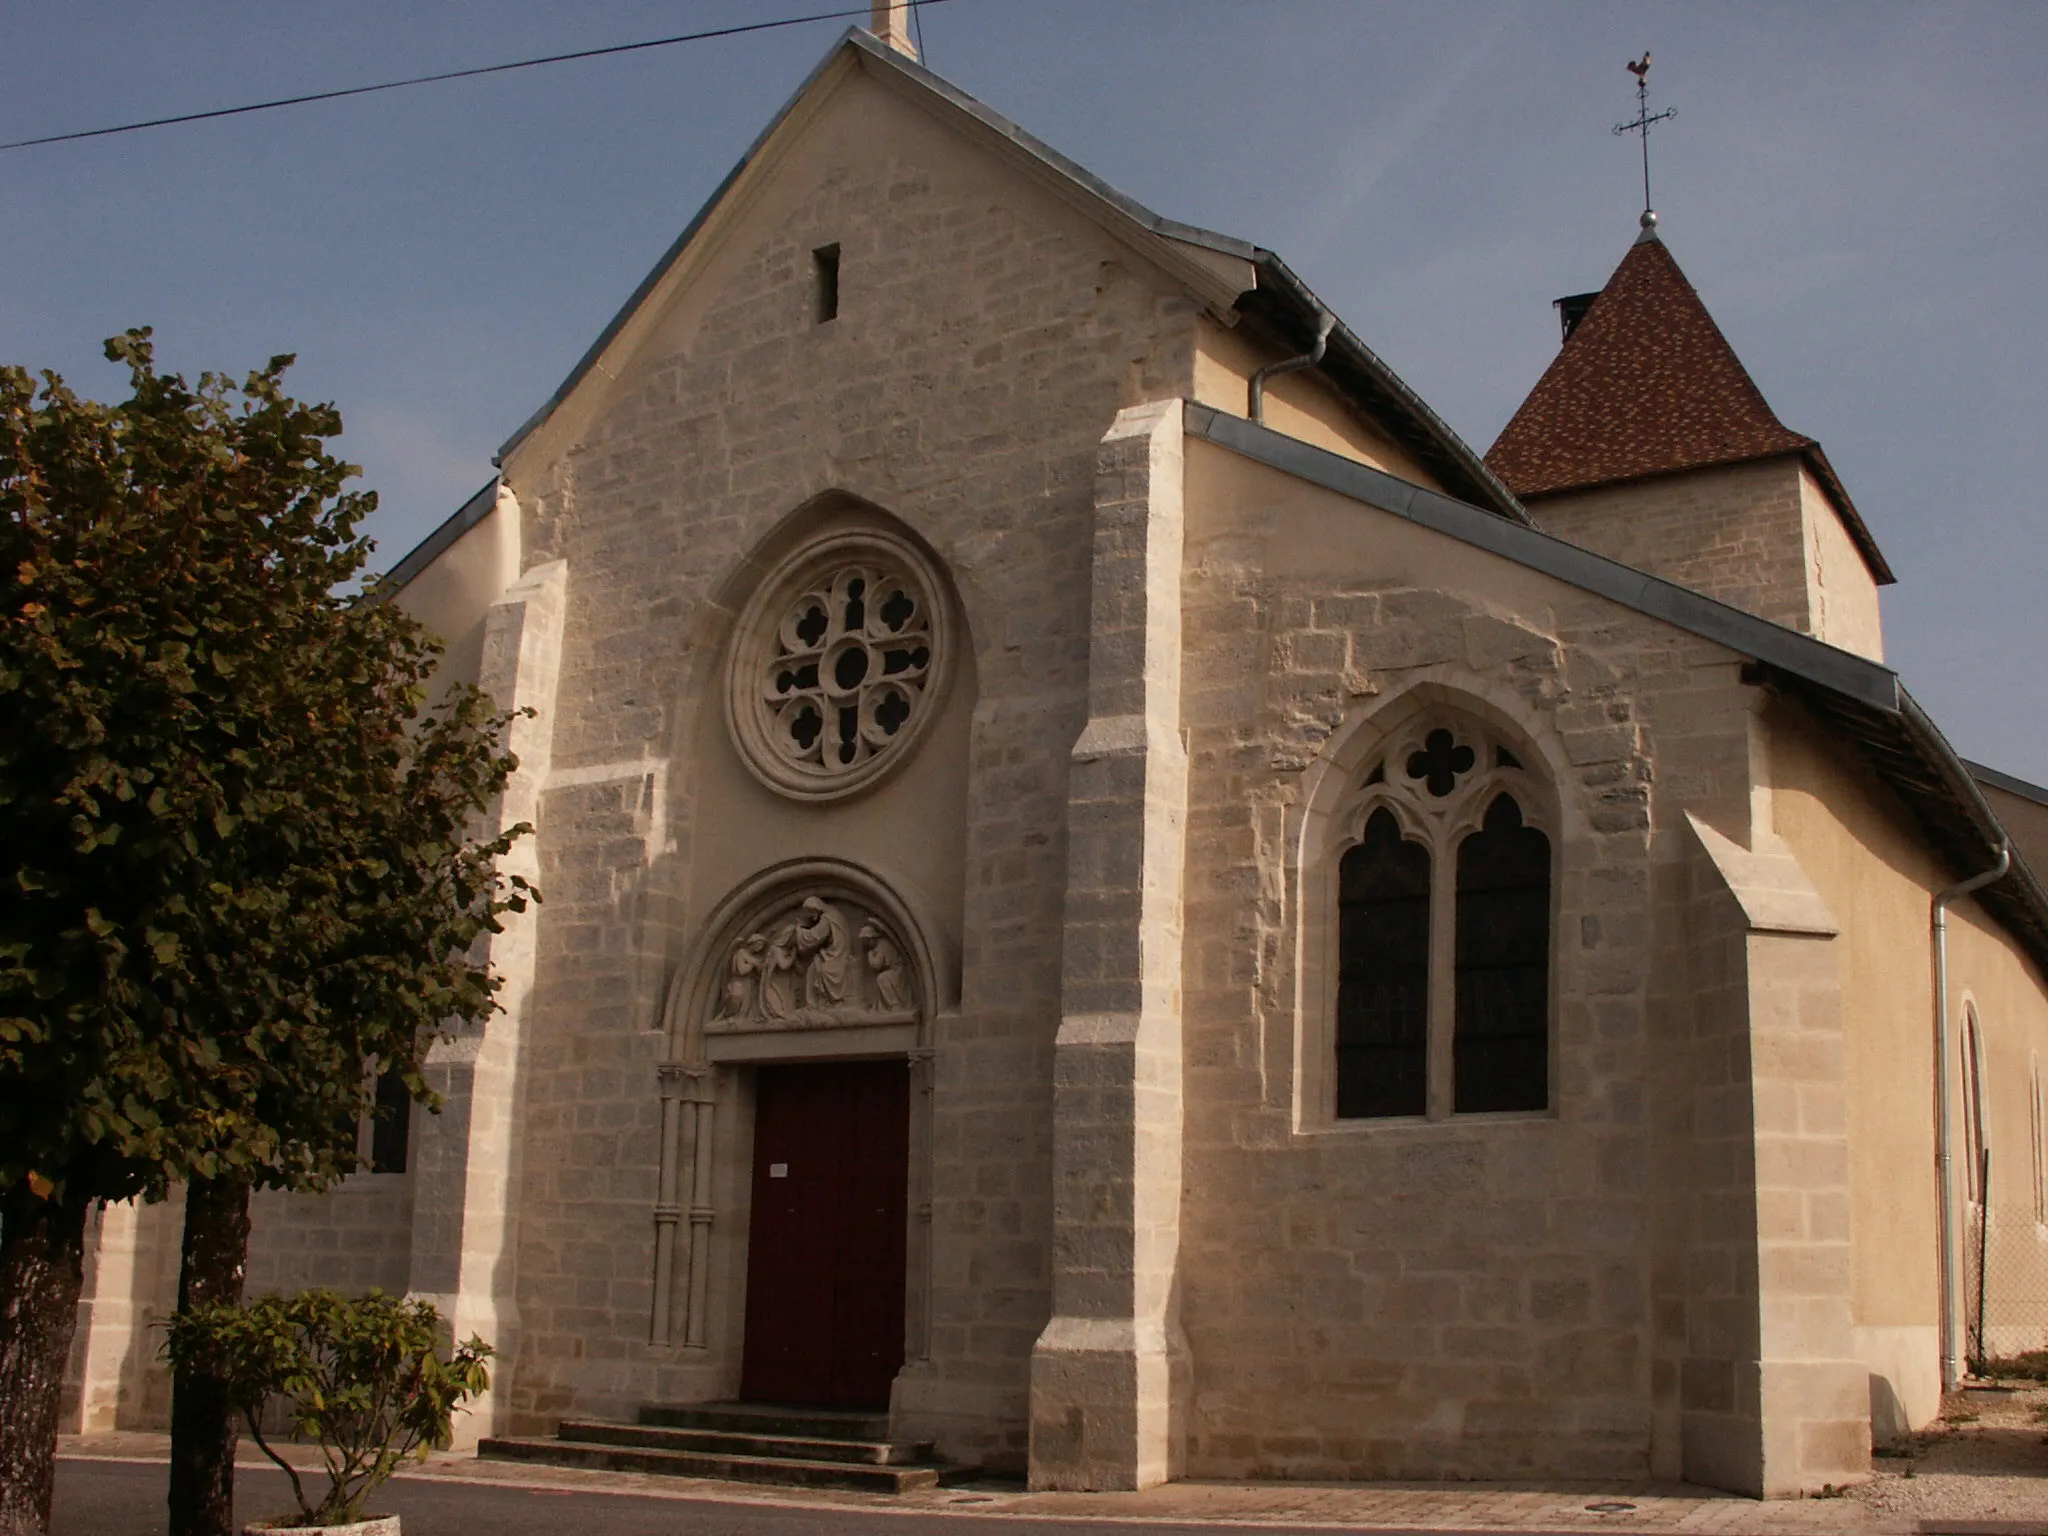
x: 1325, y: 323
x: 1951, y: 1239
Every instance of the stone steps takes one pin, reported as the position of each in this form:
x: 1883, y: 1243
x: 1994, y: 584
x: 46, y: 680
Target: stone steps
x: 725, y: 1442
x: 737, y: 1442
x: 769, y: 1419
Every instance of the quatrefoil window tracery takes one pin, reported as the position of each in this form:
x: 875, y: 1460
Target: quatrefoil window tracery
x: 1439, y: 773
x: 1439, y: 762
x: 838, y: 664
x: 849, y: 667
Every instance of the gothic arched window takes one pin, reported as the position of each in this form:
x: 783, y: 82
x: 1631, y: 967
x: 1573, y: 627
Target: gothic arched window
x: 1500, y: 1046
x: 1443, y: 931
x: 1383, y: 979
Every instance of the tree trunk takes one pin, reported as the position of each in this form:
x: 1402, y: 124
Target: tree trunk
x: 42, y: 1268
x: 203, y: 1428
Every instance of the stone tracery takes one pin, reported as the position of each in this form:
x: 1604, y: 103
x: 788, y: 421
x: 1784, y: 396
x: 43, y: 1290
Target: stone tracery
x: 849, y: 667
x: 1443, y: 927
x: 838, y: 664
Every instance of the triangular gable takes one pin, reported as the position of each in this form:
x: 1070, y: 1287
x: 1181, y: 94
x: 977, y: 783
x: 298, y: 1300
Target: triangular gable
x: 1645, y: 385
x: 1215, y: 268
x: 1219, y: 270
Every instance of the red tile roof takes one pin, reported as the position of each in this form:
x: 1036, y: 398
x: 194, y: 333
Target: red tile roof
x: 1647, y: 385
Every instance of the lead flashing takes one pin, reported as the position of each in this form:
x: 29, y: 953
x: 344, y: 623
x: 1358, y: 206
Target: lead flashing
x: 1839, y: 670
x: 1425, y: 432
x: 1858, y: 698
x: 1430, y: 436
x: 1052, y: 159
x: 647, y: 284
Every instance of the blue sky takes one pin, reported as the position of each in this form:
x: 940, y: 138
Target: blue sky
x: 1856, y: 189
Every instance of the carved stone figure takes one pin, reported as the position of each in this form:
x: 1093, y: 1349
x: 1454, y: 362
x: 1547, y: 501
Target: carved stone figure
x: 885, y: 961
x: 778, y: 976
x: 822, y: 936
x: 748, y: 957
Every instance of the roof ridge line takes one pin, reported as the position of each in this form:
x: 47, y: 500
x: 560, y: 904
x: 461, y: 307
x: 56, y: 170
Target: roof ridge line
x: 1427, y: 433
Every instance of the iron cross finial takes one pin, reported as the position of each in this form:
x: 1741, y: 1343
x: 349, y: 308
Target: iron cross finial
x: 1641, y: 122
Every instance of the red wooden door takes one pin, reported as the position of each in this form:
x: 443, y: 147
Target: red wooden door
x: 825, y: 1244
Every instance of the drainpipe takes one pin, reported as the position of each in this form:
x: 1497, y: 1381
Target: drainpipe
x: 1951, y: 1239
x: 1325, y: 323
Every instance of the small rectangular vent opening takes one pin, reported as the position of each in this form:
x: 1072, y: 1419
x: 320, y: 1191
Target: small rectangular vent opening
x: 826, y: 260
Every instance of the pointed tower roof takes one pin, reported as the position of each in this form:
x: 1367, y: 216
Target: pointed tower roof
x: 1646, y: 384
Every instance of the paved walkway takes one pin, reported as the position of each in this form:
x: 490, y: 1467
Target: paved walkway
x: 1953, y: 1503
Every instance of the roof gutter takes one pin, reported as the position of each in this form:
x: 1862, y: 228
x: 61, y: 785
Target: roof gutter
x: 1857, y: 695
x: 1954, y: 771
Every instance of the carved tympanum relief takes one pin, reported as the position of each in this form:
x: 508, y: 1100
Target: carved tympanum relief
x: 819, y: 961
x: 838, y: 664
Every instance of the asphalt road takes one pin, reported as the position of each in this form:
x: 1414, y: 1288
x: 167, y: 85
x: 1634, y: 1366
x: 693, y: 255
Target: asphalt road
x: 107, y: 1498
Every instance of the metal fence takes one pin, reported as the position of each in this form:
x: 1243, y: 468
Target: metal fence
x: 2005, y: 1276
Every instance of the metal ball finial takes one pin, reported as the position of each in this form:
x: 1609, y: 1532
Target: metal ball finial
x: 1649, y: 219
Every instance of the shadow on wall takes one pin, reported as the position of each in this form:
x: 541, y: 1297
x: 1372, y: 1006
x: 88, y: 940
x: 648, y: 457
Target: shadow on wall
x: 1888, y: 1422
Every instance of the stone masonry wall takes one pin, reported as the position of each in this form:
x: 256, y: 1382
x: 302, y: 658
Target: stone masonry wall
x: 1469, y: 1297
x: 1736, y: 533
x: 986, y: 339
x: 354, y: 1238
x: 117, y: 1378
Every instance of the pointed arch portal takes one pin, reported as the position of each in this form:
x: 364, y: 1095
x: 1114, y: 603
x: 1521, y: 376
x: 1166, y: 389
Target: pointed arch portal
x: 812, y: 992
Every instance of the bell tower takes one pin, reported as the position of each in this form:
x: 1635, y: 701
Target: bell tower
x: 1647, y: 441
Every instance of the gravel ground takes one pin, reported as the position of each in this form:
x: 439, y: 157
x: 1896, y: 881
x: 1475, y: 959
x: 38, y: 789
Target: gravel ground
x: 1987, y: 1461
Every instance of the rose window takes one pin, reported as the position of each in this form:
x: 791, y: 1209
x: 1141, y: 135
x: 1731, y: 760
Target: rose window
x: 835, y: 668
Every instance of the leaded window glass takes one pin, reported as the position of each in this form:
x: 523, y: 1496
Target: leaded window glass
x: 1443, y: 929
x: 1383, y: 980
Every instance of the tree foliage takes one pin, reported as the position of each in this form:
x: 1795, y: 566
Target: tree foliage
x: 362, y: 1377
x: 243, y: 857
x: 238, y: 841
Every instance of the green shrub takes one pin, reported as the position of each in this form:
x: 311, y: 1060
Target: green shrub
x: 363, y: 1376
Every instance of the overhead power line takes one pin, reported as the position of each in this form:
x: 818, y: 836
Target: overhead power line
x: 455, y: 74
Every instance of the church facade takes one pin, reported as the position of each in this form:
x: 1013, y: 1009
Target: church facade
x: 1116, y: 892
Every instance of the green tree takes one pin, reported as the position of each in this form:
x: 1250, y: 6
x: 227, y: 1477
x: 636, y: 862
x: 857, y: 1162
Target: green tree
x: 242, y: 865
